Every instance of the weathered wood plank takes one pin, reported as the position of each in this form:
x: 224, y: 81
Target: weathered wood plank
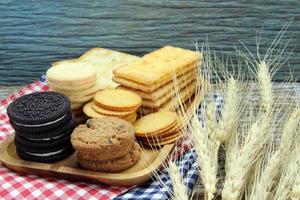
x: 35, y: 33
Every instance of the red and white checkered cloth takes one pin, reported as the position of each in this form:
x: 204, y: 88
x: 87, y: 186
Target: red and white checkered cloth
x: 15, y: 186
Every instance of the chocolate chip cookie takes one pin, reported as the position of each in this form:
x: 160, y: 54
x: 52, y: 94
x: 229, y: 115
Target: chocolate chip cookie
x: 103, y: 139
x: 114, y: 165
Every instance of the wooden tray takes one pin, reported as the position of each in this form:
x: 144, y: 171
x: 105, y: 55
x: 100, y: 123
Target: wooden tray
x: 151, y: 160
x: 68, y: 168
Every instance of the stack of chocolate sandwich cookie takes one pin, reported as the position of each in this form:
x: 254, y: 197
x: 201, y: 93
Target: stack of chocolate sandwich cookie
x: 115, y: 103
x: 43, y: 124
x: 75, y: 79
x: 151, y: 77
x: 106, y: 145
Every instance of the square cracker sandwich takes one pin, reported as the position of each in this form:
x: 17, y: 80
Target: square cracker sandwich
x: 156, y: 68
x: 152, y: 77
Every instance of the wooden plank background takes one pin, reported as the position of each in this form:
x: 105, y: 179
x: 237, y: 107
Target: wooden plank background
x: 35, y: 33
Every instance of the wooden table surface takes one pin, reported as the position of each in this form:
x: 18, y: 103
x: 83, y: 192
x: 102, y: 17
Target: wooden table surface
x: 35, y: 33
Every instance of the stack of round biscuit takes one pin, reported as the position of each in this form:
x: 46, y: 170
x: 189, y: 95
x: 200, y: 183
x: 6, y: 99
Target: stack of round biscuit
x: 106, y: 145
x: 43, y: 124
x: 158, y: 129
x: 75, y: 79
x: 115, y: 103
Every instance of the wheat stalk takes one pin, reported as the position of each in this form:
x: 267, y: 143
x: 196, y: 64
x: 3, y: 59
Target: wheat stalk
x: 207, y: 140
x: 239, y: 167
x: 285, y: 189
x: 179, y: 189
x: 268, y: 178
x: 295, y: 193
x: 289, y: 131
x: 207, y: 151
x: 271, y: 173
x: 229, y: 111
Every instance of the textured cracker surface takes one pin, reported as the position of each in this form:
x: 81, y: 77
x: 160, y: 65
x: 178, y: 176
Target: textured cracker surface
x: 104, y: 111
x: 118, y: 99
x: 154, y: 122
x: 164, y: 89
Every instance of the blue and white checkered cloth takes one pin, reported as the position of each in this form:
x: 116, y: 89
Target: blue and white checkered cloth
x: 155, y: 190
x: 43, y: 78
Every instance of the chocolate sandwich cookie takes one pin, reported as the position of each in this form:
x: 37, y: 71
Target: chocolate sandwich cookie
x: 46, y: 127
x: 48, y: 144
x: 57, y: 132
x: 48, y: 157
x: 39, y: 109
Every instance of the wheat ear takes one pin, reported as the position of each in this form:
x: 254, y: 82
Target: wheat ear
x: 229, y: 111
x: 295, y: 193
x: 265, y: 85
x: 179, y: 189
x: 206, y: 150
x: 239, y: 167
x: 287, y: 180
x: 271, y: 173
x: 289, y: 131
x: 211, y: 121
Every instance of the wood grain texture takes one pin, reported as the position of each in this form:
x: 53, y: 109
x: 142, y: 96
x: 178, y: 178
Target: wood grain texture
x: 68, y: 168
x: 35, y: 33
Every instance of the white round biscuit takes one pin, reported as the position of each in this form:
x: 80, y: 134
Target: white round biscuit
x: 70, y: 73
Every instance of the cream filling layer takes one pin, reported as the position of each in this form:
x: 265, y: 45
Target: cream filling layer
x: 39, y: 125
x: 46, y: 139
x: 45, y: 154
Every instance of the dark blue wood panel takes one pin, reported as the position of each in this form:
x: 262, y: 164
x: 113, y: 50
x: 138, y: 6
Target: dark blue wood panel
x: 35, y: 33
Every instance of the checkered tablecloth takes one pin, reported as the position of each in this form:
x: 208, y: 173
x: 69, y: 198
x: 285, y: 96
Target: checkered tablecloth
x: 15, y: 186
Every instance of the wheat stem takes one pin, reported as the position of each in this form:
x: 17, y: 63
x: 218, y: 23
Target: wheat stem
x: 271, y: 173
x: 179, y: 189
x: 289, y: 131
x: 239, y: 167
x: 295, y: 193
x: 207, y: 152
x: 285, y: 189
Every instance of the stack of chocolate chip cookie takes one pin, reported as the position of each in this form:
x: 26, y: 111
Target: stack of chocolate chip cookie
x: 114, y: 102
x: 158, y: 129
x: 75, y: 79
x: 43, y: 124
x: 106, y: 145
x: 152, y: 77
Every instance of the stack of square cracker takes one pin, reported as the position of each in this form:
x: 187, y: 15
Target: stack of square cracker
x: 152, y: 77
x: 104, y: 61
